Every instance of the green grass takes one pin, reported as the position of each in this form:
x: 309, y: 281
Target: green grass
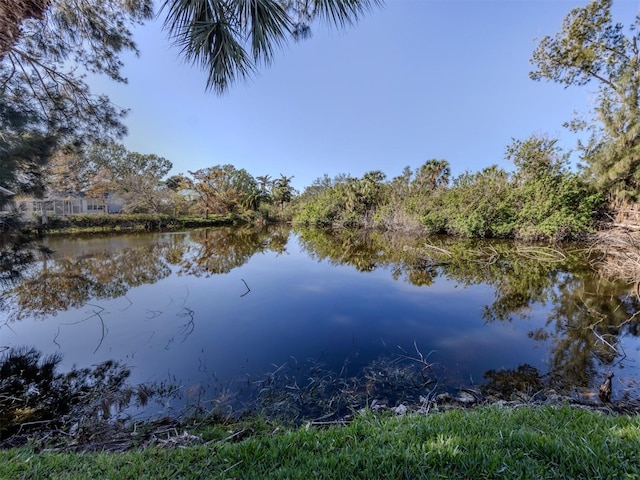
x: 485, y: 443
x: 122, y: 222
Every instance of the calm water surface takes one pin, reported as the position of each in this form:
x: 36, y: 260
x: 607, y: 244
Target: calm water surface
x: 214, y: 311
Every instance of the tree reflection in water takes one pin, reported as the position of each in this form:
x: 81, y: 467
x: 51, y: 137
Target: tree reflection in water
x: 70, y: 282
x: 589, y: 315
x: 65, y: 283
x: 35, y: 396
x: 220, y: 250
x: 588, y: 318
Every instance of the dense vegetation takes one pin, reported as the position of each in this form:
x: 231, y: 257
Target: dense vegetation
x: 542, y: 199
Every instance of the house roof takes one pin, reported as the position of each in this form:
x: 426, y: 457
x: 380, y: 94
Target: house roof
x: 6, y: 192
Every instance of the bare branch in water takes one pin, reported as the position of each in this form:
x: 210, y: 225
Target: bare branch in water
x: 431, y: 246
x: 248, y: 289
x: 128, y: 306
x: 56, y: 338
x: 96, y: 313
x: 420, y: 359
x: 189, y: 327
x: 541, y: 254
x: 105, y: 330
x: 151, y: 314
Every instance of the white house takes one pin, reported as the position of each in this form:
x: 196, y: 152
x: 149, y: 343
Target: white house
x: 62, y: 207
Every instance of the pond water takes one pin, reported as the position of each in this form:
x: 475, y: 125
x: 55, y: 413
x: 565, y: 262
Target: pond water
x: 230, y: 315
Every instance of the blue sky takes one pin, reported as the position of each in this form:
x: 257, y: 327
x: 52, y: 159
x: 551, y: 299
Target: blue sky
x: 415, y: 80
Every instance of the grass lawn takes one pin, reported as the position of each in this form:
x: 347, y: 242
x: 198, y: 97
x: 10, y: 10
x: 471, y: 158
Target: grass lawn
x: 489, y: 442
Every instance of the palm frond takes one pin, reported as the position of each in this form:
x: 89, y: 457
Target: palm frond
x: 341, y: 13
x: 268, y: 27
x: 228, y: 38
x: 209, y: 34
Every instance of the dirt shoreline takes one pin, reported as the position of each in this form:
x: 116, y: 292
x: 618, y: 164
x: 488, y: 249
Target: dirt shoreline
x: 120, y: 436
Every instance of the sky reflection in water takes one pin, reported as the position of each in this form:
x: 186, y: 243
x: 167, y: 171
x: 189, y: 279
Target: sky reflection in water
x: 272, y: 301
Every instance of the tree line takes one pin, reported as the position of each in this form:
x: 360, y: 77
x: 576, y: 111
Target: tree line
x: 542, y: 199
x: 139, y: 182
x: 56, y: 131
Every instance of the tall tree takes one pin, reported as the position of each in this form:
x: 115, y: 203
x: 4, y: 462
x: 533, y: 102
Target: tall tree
x: 282, y: 190
x: 536, y: 157
x: 144, y: 193
x: 224, y: 189
x: 111, y: 169
x: 177, y: 182
x: 371, y: 189
x: 433, y: 174
x: 179, y: 193
x: 265, y: 183
x: 590, y: 47
x: 122, y: 162
x: 548, y: 199
x: 134, y: 176
x: 44, y: 98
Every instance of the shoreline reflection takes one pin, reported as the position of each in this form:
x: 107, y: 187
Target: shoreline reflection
x: 176, y: 306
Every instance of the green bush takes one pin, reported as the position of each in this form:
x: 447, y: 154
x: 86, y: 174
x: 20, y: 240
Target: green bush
x: 479, y: 205
x: 559, y: 207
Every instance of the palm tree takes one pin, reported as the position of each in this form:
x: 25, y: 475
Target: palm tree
x: 282, y: 190
x: 229, y: 38
x: 264, y: 181
x: 433, y: 174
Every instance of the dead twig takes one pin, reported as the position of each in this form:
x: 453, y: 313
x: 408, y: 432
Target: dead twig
x: 248, y: 289
x: 431, y: 246
x: 188, y: 328
x: 329, y: 423
x: 541, y: 254
x: 231, y: 467
x: 96, y: 313
x: 236, y: 435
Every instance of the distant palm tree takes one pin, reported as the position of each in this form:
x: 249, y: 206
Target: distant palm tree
x: 264, y: 181
x: 282, y: 190
x: 216, y: 34
x: 433, y: 174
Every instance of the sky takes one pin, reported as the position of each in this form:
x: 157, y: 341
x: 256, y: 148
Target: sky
x: 412, y: 81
